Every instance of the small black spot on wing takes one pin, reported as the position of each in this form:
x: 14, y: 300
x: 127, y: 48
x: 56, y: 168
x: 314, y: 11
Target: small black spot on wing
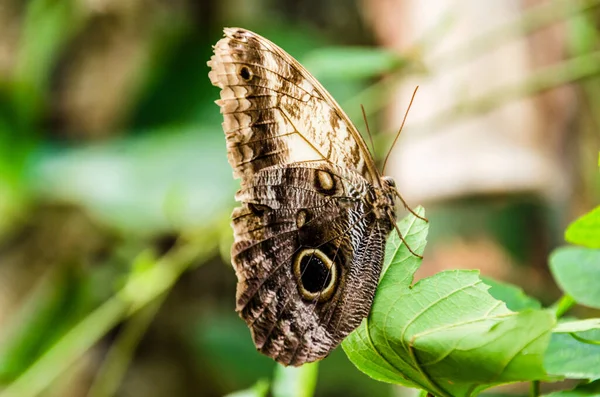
x: 246, y: 73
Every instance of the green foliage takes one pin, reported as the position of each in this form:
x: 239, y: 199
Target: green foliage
x: 166, y: 171
x: 568, y: 357
x: 48, y: 26
x: 147, y: 283
x: 155, y: 186
x: 577, y: 325
x: 574, y: 350
x: 453, y: 334
x: 515, y: 299
x: 585, y: 231
x: 577, y: 271
x: 445, y: 334
x: 56, y: 307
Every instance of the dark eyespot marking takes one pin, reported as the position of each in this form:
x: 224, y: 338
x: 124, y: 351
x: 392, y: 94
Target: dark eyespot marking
x: 246, y: 73
x: 324, y: 182
x: 316, y: 275
x: 258, y: 209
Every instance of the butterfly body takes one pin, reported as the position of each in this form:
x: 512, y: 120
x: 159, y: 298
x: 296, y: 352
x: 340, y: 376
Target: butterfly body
x: 310, y: 234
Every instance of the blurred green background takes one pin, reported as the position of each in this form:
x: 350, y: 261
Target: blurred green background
x: 115, y: 190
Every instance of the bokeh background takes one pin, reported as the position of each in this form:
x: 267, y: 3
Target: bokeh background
x: 115, y: 190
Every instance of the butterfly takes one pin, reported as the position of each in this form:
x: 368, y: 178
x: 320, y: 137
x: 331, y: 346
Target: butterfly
x: 315, y: 213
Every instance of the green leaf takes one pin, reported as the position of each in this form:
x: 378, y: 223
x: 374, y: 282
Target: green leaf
x: 514, y: 297
x: 445, y: 334
x: 158, y: 187
x: 585, y: 231
x: 571, y: 358
x: 577, y: 271
x: 585, y: 390
x: 577, y: 325
x: 295, y: 381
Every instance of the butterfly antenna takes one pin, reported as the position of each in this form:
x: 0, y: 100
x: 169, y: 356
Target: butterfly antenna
x: 404, y: 241
x: 368, y: 130
x: 399, y: 131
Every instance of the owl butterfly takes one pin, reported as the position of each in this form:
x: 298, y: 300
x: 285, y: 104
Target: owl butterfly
x: 310, y: 234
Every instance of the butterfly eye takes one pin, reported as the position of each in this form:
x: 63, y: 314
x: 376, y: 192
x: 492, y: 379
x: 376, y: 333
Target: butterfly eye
x: 246, y: 73
x: 388, y: 181
x: 316, y: 275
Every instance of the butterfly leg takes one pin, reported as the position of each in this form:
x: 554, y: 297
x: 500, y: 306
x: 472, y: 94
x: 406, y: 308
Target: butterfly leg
x: 405, y: 243
x: 410, y: 209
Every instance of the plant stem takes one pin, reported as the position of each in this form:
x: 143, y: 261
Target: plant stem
x: 563, y: 305
x: 295, y: 381
x: 534, y: 390
x: 138, y: 292
x: 66, y: 351
x: 119, y: 356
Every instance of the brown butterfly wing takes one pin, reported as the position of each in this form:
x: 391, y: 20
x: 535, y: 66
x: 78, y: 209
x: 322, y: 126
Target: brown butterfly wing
x: 276, y: 113
x: 310, y: 235
x: 290, y: 220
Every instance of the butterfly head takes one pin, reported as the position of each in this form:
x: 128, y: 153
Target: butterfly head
x: 388, y: 187
x: 388, y: 182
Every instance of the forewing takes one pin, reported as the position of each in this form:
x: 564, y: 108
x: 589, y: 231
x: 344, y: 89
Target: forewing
x: 276, y: 113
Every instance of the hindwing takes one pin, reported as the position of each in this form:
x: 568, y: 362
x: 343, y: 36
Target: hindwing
x: 307, y: 258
